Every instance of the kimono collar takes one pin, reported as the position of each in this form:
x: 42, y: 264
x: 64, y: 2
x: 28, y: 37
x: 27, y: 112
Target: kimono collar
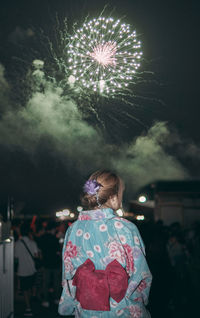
x: 98, y: 214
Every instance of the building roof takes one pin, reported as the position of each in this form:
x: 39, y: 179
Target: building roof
x: 185, y: 186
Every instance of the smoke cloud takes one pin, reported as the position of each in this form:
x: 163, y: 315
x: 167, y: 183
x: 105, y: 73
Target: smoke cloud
x: 4, y: 91
x: 51, y: 117
x: 145, y: 160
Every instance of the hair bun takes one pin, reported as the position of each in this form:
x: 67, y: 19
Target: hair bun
x: 104, y: 183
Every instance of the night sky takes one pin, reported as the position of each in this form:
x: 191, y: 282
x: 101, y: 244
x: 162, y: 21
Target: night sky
x: 44, y: 159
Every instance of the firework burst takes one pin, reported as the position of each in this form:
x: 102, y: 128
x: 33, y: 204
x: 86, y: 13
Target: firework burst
x: 97, y: 67
x: 103, y: 56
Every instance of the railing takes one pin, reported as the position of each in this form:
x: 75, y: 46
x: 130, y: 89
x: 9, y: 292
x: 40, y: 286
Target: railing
x: 7, y: 278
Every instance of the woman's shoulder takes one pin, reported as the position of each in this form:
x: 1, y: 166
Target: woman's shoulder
x: 122, y: 222
x: 129, y: 229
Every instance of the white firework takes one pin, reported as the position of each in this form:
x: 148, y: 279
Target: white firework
x: 103, y: 56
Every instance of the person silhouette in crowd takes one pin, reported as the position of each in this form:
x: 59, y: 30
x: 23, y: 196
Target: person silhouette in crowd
x: 26, y: 267
x: 51, y: 258
x: 178, y: 256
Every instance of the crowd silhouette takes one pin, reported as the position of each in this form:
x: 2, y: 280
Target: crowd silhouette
x: 173, y: 255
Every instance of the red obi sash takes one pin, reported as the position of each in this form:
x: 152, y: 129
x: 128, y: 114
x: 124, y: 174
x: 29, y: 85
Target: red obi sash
x: 95, y: 287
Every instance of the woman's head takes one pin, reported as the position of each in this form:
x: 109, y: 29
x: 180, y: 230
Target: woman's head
x: 109, y: 191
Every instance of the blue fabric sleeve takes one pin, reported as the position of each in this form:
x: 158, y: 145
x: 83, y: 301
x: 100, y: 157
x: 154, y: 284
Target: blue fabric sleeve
x: 67, y: 302
x: 141, y: 278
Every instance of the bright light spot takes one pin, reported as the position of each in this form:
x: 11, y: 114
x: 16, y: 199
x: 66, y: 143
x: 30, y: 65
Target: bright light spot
x: 66, y: 212
x: 72, y: 215
x: 71, y: 79
x: 59, y: 214
x: 101, y: 84
x: 140, y: 217
x: 103, y: 49
x: 120, y: 212
x: 104, y: 54
x: 8, y: 240
x: 142, y: 198
x: 63, y: 213
x: 79, y: 208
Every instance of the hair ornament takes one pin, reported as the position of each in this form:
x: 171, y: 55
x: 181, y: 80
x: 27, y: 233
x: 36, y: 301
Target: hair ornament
x: 91, y: 187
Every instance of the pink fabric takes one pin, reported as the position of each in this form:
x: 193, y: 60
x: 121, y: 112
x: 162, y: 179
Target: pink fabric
x: 95, y: 287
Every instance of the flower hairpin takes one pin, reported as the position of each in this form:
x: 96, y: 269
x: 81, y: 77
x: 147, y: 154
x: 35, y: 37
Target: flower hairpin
x: 91, y: 187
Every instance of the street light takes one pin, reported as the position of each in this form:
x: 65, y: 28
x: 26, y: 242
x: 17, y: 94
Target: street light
x: 140, y: 217
x: 79, y: 208
x: 142, y: 198
x: 66, y: 212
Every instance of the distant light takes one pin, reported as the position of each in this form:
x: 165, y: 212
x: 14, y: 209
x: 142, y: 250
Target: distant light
x: 142, y: 198
x: 8, y: 240
x: 79, y: 208
x: 66, y: 212
x: 61, y: 240
x: 72, y: 215
x: 62, y: 214
x: 59, y: 214
x: 120, y: 212
x: 140, y: 217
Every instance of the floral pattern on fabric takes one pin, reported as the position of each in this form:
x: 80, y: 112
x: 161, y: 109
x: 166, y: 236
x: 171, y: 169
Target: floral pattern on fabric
x: 129, y: 259
x: 79, y: 232
x: 103, y: 227
x: 86, y: 236
x: 116, y: 251
x: 68, y: 264
x: 122, y: 239
x: 84, y: 217
x: 97, y: 248
x: 90, y: 254
x: 135, y: 311
x: 102, y: 236
x: 71, y: 250
x: 142, y: 286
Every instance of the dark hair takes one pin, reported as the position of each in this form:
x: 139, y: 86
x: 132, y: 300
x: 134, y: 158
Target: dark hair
x: 110, y: 185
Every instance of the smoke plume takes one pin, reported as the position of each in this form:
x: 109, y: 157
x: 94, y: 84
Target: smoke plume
x: 50, y: 117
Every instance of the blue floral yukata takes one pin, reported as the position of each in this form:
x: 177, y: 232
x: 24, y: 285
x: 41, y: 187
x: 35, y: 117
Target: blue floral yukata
x: 102, y: 237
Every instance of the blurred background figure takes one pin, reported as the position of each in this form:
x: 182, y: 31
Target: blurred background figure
x: 179, y: 258
x: 193, y: 244
x: 16, y: 229
x: 60, y: 231
x: 156, y: 244
x: 26, y: 267
x: 38, y: 290
x: 51, y: 255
